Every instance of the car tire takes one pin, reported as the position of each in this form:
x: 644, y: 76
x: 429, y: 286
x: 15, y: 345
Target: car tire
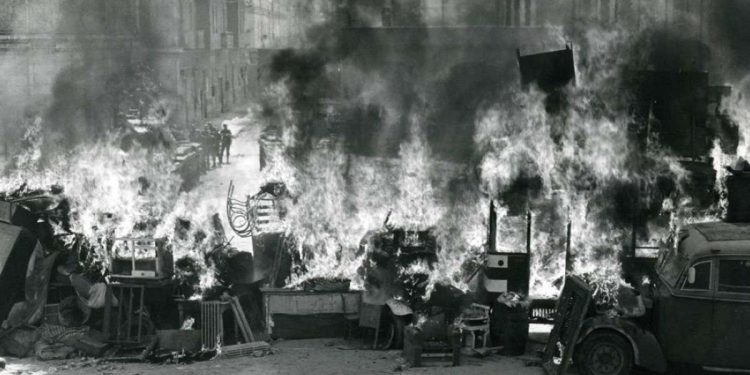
x: 604, y: 353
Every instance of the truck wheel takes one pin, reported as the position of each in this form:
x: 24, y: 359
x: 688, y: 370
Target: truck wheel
x: 392, y: 331
x: 605, y: 353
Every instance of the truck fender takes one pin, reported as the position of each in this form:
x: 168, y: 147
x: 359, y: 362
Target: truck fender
x: 398, y: 308
x: 647, y: 352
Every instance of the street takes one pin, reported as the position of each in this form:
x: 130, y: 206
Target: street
x: 293, y: 357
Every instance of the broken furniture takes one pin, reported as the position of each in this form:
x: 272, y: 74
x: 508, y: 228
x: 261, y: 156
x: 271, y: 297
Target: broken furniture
x: 426, y: 342
x: 260, y: 213
x: 129, y: 302
x: 503, y: 271
x: 292, y: 314
x: 475, y: 325
x: 261, y: 217
x: 140, y: 260
x: 131, y: 318
x: 549, y: 70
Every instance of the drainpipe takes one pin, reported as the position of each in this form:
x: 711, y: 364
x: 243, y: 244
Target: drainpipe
x: 492, y: 245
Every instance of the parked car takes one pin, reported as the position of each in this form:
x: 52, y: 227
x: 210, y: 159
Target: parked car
x: 697, y: 310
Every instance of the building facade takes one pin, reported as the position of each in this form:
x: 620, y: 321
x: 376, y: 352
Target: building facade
x: 210, y: 56
x: 205, y: 55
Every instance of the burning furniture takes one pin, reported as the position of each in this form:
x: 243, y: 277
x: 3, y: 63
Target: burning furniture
x: 388, y: 254
x: 432, y: 340
x: 506, y: 272
x: 140, y: 259
x: 395, y: 268
x: 549, y: 70
x: 260, y: 213
x: 261, y: 216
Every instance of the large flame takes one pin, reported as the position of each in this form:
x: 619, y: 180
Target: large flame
x: 581, y: 155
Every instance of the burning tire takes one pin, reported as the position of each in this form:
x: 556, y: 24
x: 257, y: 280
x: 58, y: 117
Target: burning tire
x: 605, y: 353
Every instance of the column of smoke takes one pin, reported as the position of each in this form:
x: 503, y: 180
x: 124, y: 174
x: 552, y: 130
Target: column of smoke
x: 589, y: 165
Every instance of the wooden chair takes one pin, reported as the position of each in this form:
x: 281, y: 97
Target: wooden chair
x: 475, y: 323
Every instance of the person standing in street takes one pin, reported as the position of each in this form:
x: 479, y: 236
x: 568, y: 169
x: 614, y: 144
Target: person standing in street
x: 226, y: 143
x: 210, y: 145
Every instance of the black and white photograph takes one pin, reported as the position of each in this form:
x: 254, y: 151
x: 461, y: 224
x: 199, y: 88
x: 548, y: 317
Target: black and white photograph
x: 366, y: 187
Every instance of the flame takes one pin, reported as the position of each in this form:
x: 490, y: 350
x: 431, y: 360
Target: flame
x: 340, y: 197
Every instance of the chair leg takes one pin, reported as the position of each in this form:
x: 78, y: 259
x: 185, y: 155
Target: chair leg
x: 375, y: 341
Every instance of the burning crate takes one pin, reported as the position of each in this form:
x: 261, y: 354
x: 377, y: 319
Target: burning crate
x: 548, y: 70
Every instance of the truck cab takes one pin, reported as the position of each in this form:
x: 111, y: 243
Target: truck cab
x: 698, y: 315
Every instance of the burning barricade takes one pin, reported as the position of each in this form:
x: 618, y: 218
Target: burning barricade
x: 95, y: 242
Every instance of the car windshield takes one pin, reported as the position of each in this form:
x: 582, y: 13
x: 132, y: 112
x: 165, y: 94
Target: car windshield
x: 671, y: 266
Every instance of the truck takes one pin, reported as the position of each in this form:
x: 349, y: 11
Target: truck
x: 695, y: 311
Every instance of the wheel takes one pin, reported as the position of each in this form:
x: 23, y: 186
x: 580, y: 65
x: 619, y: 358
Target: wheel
x: 605, y: 353
x: 391, y: 334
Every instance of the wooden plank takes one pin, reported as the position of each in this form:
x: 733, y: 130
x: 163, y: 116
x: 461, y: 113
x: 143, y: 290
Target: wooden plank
x: 240, y: 315
x: 239, y: 323
x: 239, y: 350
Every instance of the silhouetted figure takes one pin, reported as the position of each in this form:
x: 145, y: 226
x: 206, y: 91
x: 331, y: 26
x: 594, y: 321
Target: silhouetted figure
x: 226, y: 143
x: 210, y: 145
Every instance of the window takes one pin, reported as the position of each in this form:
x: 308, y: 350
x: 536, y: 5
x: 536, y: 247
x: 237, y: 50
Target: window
x: 671, y: 265
x: 702, y: 277
x: 734, y: 276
